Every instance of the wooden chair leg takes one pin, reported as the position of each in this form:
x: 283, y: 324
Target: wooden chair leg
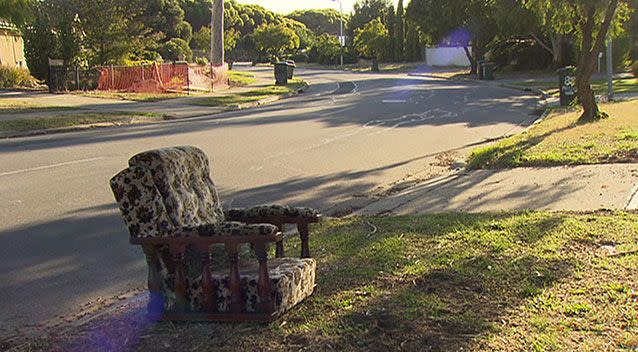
x: 236, y: 299
x: 177, y: 251
x: 303, y: 233
x: 209, y: 303
x: 263, y: 283
x: 155, y: 307
x: 279, y: 247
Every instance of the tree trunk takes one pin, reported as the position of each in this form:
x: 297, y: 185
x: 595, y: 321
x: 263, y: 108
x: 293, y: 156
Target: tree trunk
x: 559, y: 50
x: 587, y: 61
x: 375, y: 64
x: 473, y: 65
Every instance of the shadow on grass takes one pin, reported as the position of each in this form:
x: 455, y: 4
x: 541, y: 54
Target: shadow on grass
x: 430, y: 283
x: 511, y: 152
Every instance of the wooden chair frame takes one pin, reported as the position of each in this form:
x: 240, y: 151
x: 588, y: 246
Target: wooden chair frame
x: 177, y: 247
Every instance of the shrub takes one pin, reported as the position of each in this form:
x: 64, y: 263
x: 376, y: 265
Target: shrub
x: 634, y: 68
x: 519, y: 55
x: 16, y: 77
x: 201, y: 61
x: 176, y: 47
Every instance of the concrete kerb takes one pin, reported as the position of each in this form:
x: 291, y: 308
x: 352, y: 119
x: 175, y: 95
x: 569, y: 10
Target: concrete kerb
x: 7, y: 135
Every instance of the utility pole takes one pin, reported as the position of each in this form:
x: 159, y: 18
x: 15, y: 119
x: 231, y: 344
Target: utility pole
x: 217, y: 33
x: 610, y: 69
x: 342, y: 39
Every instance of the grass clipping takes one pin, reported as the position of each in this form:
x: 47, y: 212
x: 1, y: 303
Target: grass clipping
x: 560, y: 140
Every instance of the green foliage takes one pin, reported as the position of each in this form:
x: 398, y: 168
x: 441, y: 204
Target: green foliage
x: 634, y: 68
x: 17, y: 12
x: 372, y: 39
x: 324, y: 21
x: 176, y: 49
x: 366, y: 11
x: 16, y: 77
x: 326, y: 50
x: 276, y: 40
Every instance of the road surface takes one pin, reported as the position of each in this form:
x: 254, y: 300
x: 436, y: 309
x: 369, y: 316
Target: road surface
x: 63, y: 244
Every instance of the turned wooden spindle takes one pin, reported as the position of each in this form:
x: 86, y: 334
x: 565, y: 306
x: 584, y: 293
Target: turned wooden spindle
x: 177, y: 251
x: 209, y: 303
x: 279, y: 248
x: 155, y: 305
x: 263, y: 283
x: 303, y: 233
x: 236, y: 299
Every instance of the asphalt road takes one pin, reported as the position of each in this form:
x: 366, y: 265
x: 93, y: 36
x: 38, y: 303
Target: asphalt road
x: 63, y: 244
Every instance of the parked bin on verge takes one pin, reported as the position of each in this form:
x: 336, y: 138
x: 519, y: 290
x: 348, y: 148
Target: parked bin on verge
x: 291, y: 68
x: 488, y: 71
x: 567, y: 85
x: 479, y: 69
x: 281, y: 73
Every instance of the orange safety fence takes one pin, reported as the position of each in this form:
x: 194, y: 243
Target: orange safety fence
x: 160, y: 78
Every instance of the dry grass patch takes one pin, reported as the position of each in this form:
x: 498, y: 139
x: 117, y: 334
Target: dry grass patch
x: 560, y: 140
x: 75, y: 119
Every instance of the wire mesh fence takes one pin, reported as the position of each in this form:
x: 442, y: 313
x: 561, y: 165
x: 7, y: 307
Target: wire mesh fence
x: 154, y: 78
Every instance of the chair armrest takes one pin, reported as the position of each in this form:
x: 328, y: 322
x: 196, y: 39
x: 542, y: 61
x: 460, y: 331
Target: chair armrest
x: 276, y: 214
x: 227, y: 232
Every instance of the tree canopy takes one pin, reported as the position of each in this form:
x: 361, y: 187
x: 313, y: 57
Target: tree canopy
x: 371, y: 40
x: 324, y: 21
x: 275, y: 40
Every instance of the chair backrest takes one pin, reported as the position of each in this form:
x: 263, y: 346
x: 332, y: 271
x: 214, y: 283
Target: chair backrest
x: 176, y: 184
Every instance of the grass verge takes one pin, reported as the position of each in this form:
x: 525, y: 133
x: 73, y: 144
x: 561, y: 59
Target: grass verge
x: 22, y: 105
x: 141, y: 97
x: 70, y: 120
x: 621, y: 85
x: 250, y: 96
x: 530, y: 281
x: 241, y: 79
x: 560, y: 140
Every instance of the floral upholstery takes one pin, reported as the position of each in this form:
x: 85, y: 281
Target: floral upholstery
x: 140, y: 203
x: 168, y: 193
x: 273, y: 210
x: 292, y: 280
x: 181, y: 175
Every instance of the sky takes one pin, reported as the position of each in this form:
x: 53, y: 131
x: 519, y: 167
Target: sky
x: 288, y: 6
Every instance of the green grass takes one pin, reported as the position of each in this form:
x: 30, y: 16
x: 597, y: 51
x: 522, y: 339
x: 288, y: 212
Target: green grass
x: 27, y: 105
x: 76, y: 119
x: 560, y: 140
x: 448, y: 282
x: 241, y: 79
x: 250, y: 96
x: 624, y: 85
x: 141, y: 97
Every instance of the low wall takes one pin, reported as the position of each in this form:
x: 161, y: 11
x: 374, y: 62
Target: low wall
x: 447, y: 56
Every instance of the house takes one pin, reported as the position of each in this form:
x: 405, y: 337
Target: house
x: 11, y: 46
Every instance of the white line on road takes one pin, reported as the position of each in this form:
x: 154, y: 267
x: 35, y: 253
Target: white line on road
x: 50, y: 166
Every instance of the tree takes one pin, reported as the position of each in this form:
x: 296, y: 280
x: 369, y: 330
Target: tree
x: 17, y: 12
x: 390, y: 24
x: 371, y: 41
x: 457, y: 22
x: 325, y: 50
x: 113, y: 30
x: 590, y: 21
x: 319, y: 21
x: 176, y: 49
x: 412, y: 44
x: 275, y: 40
x: 366, y: 11
x: 399, y: 33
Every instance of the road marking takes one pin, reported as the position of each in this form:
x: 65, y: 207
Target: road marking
x: 38, y: 168
x: 394, y: 101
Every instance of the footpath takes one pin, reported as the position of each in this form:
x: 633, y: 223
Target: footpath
x: 556, y: 188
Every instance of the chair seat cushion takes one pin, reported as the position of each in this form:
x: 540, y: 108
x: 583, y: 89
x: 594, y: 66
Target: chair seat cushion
x: 292, y: 280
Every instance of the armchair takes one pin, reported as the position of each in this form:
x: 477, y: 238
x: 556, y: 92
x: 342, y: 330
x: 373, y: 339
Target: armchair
x: 172, y: 210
